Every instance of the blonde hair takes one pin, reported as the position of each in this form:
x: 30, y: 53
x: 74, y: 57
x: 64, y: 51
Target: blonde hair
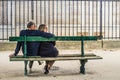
x: 42, y: 27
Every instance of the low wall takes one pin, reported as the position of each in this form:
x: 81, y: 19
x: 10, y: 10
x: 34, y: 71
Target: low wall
x: 6, y: 46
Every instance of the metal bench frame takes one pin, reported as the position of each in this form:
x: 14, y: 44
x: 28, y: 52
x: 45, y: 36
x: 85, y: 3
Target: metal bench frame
x: 82, y: 57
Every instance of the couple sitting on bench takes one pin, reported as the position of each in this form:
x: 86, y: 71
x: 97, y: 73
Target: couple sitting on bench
x: 43, y: 49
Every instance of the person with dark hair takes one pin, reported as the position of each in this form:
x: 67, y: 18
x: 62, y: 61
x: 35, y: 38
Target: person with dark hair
x: 46, y: 49
x: 32, y: 47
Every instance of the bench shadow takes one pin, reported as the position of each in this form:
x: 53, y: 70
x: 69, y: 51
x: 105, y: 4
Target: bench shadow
x: 52, y: 74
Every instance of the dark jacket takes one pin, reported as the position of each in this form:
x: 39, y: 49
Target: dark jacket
x: 32, y: 47
x: 47, y: 49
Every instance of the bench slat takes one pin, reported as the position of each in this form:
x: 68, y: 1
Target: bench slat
x: 55, y: 58
x: 60, y: 55
x: 56, y: 38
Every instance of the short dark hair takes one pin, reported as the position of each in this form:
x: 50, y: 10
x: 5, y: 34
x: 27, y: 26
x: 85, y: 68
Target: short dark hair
x: 30, y: 24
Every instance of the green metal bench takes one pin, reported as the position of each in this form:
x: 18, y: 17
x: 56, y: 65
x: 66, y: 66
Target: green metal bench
x: 82, y: 57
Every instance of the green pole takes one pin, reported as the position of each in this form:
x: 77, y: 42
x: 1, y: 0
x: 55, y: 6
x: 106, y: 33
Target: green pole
x: 82, y: 68
x: 25, y: 47
x: 25, y: 55
x: 82, y: 47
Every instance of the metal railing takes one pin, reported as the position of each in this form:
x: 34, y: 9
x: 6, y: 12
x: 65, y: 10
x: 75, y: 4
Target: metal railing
x: 63, y: 17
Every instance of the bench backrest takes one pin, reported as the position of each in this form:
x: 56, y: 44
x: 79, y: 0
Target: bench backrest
x: 56, y: 38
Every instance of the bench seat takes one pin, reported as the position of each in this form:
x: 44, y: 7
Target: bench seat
x: 82, y: 57
x: 60, y: 57
x: 53, y: 58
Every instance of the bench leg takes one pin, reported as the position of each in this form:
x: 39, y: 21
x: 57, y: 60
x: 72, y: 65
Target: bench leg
x: 82, y: 67
x: 25, y: 70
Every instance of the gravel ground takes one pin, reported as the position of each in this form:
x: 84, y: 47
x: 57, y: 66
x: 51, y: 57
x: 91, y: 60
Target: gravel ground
x: 104, y: 69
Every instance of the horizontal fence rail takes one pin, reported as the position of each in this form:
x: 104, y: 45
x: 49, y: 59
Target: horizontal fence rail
x: 63, y: 17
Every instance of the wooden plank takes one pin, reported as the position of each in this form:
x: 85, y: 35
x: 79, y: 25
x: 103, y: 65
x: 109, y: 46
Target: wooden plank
x: 76, y: 55
x: 60, y: 55
x: 56, y: 38
x: 56, y: 58
x: 75, y: 38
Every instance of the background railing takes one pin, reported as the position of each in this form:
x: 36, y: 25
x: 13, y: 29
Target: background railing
x: 63, y: 17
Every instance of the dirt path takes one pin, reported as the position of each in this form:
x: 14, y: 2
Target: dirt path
x: 105, y: 69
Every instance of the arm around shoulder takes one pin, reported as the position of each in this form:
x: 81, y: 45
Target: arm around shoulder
x: 45, y: 34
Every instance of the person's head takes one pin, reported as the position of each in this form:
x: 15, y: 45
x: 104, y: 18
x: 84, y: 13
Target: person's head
x: 43, y: 28
x: 31, y: 25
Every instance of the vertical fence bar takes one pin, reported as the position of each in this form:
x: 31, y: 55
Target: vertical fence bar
x: 77, y: 16
x: 19, y: 15
x: 27, y: 10
x: 45, y: 12
x: 49, y: 15
x: 3, y: 19
x: 73, y: 19
x: 81, y: 17
x: 32, y: 9
x: 69, y: 17
x: 104, y: 16
x: 40, y: 12
x: 15, y: 19
x: 61, y: 18
x: 65, y: 17
x: 96, y: 17
x: 85, y: 17
x: 53, y: 16
x: 93, y: 18
x: 112, y: 19
x: 116, y: 21
x: 7, y: 19
x: 57, y: 15
x: 100, y: 19
x: 119, y: 20
x: 36, y: 12
x: 24, y: 14
x: 89, y: 17
x: 11, y: 19
x: 108, y: 18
